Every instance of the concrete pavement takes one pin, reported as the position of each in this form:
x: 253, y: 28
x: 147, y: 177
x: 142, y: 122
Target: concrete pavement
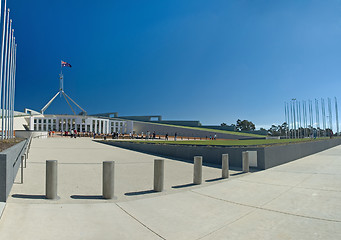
x: 298, y: 200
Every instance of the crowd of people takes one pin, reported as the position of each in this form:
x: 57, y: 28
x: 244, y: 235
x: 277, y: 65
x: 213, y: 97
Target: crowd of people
x: 73, y: 133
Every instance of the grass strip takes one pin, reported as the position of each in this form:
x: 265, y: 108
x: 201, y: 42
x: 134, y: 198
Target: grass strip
x: 256, y: 142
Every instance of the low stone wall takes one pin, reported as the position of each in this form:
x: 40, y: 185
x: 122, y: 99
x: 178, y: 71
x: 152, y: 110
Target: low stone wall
x: 10, y: 160
x: 277, y: 155
x: 29, y: 133
x: 267, y: 157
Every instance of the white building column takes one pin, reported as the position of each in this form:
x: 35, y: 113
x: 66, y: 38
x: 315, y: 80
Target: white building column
x: 31, y: 123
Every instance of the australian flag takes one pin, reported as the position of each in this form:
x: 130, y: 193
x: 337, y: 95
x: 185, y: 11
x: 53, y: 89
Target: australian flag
x: 65, y: 64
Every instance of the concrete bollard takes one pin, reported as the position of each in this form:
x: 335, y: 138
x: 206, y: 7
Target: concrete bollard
x: 197, y: 176
x: 22, y: 169
x: 246, y: 162
x: 25, y: 159
x: 108, y: 179
x: 51, y: 179
x: 159, y: 174
x: 225, y: 166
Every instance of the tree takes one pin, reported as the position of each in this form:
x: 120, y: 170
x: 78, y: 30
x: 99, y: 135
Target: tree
x: 223, y: 124
x: 245, y: 125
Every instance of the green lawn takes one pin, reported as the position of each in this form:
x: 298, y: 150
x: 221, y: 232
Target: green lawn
x: 258, y: 142
x: 212, y: 130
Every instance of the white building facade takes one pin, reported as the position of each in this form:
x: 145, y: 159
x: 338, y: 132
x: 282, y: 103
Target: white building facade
x: 61, y: 123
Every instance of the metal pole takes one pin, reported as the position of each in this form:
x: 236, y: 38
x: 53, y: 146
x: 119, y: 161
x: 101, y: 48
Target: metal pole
x: 330, y: 114
x: 299, y: 119
x: 337, y: 117
x: 10, y: 37
x: 4, y: 80
x: 285, y: 117
x: 323, y: 116
x: 14, y: 73
x: 300, y: 114
x: 305, y: 117
x: 2, y: 59
x: 316, y: 114
x: 10, y: 89
x: 294, y: 111
x: 292, y: 120
x: 311, y: 116
x: 13, y: 90
x: 287, y: 120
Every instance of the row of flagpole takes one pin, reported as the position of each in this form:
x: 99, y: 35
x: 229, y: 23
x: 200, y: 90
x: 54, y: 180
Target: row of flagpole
x: 300, y: 122
x: 7, y: 74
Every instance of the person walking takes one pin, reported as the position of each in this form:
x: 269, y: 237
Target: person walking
x: 175, y: 136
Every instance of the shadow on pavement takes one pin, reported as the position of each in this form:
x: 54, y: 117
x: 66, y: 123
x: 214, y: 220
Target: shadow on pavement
x: 139, y: 193
x: 214, y: 179
x: 28, y: 196
x: 184, y: 185
x: 89, y: 197
x: 238, y: 173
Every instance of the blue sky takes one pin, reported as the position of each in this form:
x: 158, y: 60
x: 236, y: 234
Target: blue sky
x: 213, y: 61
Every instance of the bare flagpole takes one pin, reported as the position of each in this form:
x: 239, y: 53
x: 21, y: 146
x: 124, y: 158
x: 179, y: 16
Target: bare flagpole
x: 337, y: 117
x: 13, y: 83
x: 10, y: 37
x: 4, y: 80
x: 11, y: 90
x: 2, y: 55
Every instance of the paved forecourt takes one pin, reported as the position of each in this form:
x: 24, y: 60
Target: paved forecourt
x: 298, y: 200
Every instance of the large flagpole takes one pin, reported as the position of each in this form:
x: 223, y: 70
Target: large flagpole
x: 9, y: 109
x: 14, y: 71
x: 10, y: 37
x: 4, y: 80
x: 11, y: 90
x: 2, y: 57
